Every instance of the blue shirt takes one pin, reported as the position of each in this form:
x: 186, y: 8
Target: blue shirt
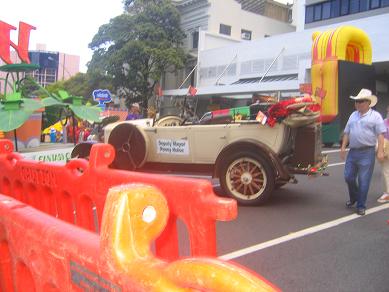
x: 364, y: 129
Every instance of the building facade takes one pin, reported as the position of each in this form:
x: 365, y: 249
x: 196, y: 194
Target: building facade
x: 207, y: 25
x: 53, y: 66
x: 320, y: 13
x: 285, y: 60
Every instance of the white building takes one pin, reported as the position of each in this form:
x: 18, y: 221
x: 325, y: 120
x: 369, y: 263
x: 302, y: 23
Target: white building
x: 246, y: 63
x: 216, y: 23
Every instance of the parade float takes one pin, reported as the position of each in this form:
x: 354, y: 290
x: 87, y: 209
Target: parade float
x: 341, y: 66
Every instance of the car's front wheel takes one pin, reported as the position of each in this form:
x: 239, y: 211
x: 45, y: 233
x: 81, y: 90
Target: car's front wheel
x: 247, y: 177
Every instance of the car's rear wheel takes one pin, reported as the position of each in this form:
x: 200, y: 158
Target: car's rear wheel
x: 247, y: 177
x: 130, y: 145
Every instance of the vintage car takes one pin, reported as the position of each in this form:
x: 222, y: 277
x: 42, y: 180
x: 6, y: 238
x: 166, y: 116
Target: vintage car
x: 250, y: 158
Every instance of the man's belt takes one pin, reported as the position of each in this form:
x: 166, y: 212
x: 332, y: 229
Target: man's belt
x: 363, y: 148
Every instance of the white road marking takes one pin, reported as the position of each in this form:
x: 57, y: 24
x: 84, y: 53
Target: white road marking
x: 298, y: 234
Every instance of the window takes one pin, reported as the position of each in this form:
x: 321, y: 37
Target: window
x: 326, y: 10
x: 375, y: 4
x: 343, y: 7
x: 309, y: 14
x: 195, y: 40
x: 245, y: 34
x: 363, y: 5
x: 231, y: 71
x: 225, y: 29
x: 317, y: 15
x: 354, y: 6
x: 335, y: 8
x: 211, y: 72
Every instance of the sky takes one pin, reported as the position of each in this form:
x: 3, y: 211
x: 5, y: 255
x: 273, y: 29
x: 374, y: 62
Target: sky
x: 66, y: 26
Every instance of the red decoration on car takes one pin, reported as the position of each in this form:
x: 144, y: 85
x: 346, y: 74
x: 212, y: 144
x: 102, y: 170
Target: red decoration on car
x: 279, y: 111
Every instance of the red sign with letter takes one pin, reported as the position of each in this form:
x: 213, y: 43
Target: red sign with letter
x: 21, y: 48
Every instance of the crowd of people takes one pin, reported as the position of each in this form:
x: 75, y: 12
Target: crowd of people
x: 81, y: 130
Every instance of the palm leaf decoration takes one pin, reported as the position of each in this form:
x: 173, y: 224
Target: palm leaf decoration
x: 14, y: 112
x: 13, y: 119
x: 74, y: 103
x: 15, y: 109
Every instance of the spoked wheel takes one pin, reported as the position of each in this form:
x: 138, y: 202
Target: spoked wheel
x: 248, y: 178
x: 130, y: 145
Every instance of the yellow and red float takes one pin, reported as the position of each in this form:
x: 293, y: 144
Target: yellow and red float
x: 345, y: 43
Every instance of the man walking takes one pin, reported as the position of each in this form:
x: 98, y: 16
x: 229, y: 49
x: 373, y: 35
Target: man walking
x: 364, y: 127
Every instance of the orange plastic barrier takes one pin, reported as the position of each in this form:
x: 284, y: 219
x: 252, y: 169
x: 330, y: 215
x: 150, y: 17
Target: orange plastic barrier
x: 41, y: 253
x: 76, y: 193
x: 38, y: 252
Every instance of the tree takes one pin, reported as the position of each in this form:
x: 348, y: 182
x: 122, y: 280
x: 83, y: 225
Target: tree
x: 137, y: 47
x: 82, y: 84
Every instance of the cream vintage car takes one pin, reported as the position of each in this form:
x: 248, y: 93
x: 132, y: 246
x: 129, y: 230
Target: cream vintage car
x: 250, y: 159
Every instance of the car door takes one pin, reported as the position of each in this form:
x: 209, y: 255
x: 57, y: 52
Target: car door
x: 169, y: 144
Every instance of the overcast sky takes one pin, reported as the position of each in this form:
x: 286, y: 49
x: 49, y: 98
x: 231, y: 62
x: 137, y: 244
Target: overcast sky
x: 66, y: 26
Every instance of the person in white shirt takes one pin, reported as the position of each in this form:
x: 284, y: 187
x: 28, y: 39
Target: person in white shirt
x: 365, y: 127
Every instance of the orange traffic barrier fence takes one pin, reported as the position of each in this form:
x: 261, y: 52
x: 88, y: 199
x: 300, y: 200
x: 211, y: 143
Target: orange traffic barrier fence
x: 41, y: 253
x: 76, y: 193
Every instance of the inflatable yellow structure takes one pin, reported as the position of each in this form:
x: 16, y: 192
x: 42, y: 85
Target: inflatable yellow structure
x: 344, y: 43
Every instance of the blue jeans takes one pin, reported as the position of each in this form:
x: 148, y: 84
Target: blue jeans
x: 357, y: 173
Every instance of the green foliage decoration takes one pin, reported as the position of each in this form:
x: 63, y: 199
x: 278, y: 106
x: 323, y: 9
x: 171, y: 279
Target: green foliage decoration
x: 16, y: 107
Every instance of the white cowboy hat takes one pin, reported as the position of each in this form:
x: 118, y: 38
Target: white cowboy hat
x: 366, y: 94
x: 135, y: 105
